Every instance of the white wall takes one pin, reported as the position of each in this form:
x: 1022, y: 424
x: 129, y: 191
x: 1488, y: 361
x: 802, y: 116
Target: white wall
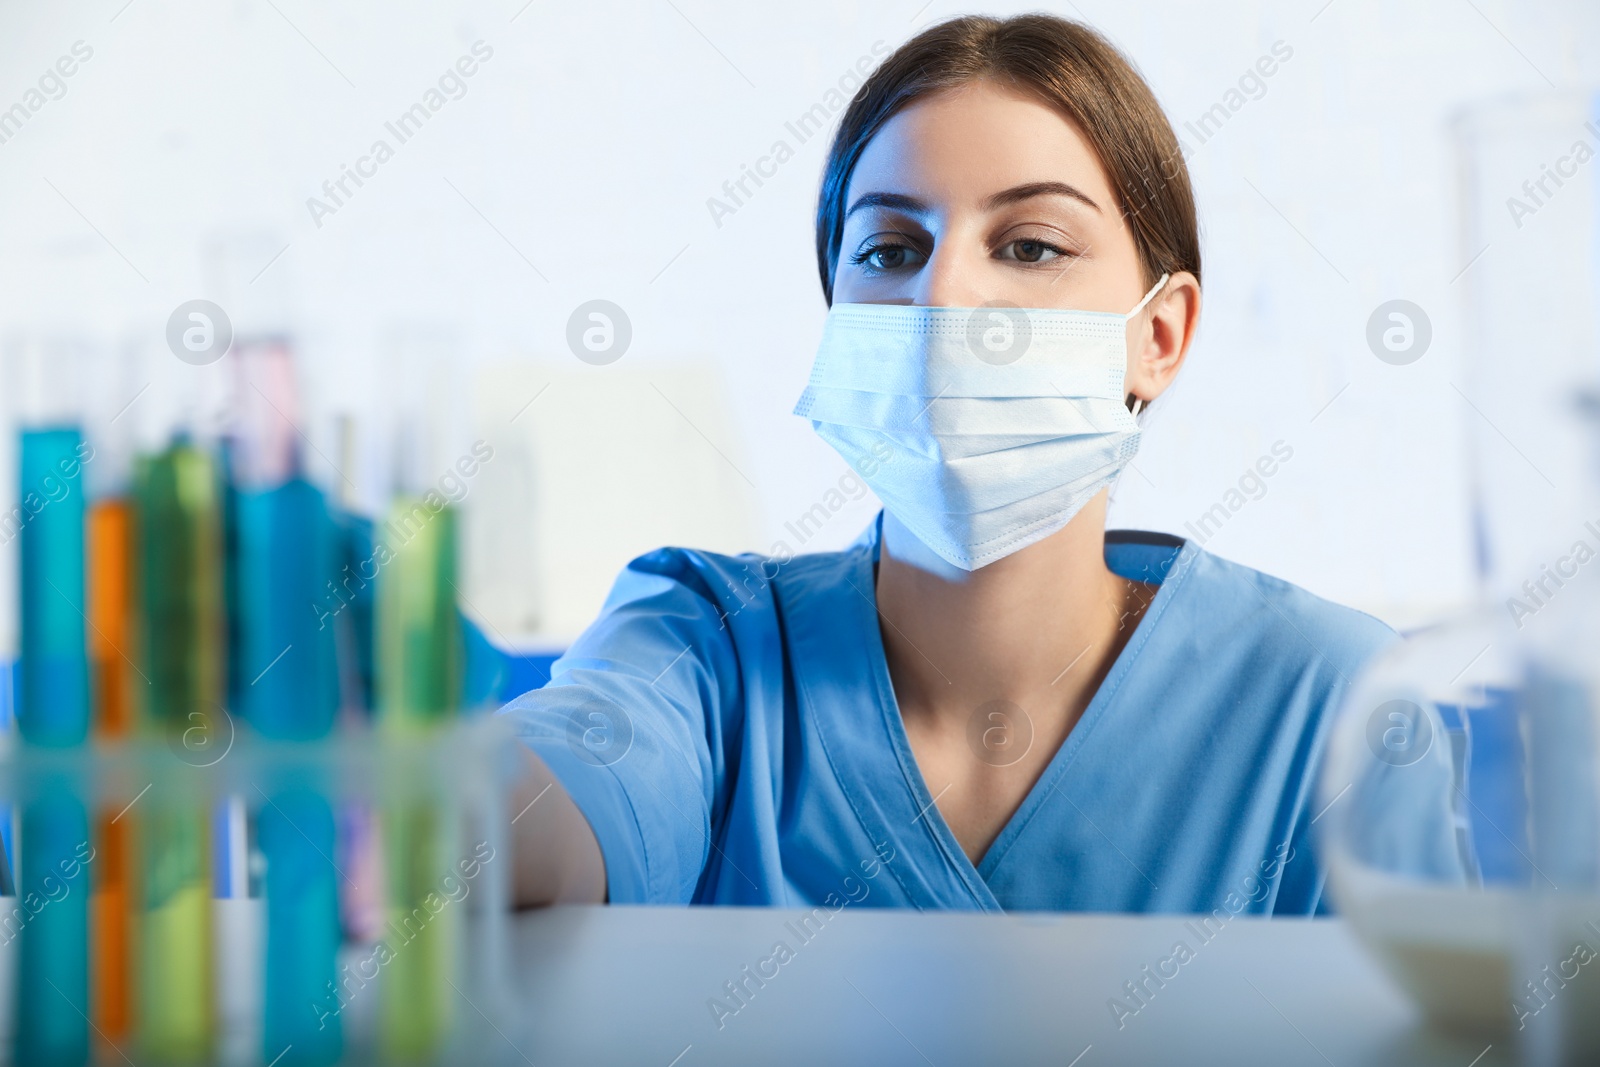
x: 579, y: 162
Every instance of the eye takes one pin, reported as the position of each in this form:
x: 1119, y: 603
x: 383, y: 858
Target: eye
x: 1031, y: 251
x: 886, y: 256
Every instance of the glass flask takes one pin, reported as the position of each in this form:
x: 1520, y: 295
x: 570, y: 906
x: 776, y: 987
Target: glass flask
x: 1460, y: 814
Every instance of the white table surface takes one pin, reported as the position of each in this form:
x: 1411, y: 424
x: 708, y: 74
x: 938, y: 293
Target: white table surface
x: 631, y: 985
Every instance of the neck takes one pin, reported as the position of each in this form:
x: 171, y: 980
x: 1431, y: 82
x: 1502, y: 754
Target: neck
x: 1039, y: 627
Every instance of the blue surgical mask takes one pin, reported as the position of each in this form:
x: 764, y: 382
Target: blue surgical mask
x: 1003, y: 422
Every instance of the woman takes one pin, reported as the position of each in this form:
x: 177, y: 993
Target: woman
x: 986, y: 702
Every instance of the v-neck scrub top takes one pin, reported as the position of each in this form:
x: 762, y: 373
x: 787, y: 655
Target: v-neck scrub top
x: 729, y: 730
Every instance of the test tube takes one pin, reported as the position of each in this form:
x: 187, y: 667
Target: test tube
x: 178, y: 492
x: 114, y: 686
x: 112, y: 677
x: 419, y: 650
x: 55, y: 679
x: 52, y: 983
x: 419, y: 679
x: 53, y: 944
x: 289, y: 691
x: 296, y: 831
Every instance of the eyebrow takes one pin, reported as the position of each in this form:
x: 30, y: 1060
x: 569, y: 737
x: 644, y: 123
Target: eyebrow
x: 894, y: 201
x: 912, y: 206
x: 1033, y: 189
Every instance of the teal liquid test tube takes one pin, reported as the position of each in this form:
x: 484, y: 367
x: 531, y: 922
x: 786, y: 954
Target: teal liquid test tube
x: 52, y: 981
x: 286, y: 555
x: 350, y: 602
x: 52, y: 1028
x: 54, y: 709
x: 302, y: 1023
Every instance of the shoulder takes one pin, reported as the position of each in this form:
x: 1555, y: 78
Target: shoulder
x: 1227, y: 604
x: 1344, y: 636
x: 741, y: 582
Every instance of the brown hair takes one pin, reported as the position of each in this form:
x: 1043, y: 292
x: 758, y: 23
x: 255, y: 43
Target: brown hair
x: 1068, y: 66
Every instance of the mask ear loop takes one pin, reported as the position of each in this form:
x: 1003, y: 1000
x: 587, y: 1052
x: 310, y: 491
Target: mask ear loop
x: 1161, y: 283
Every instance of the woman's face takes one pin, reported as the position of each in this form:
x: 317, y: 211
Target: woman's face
x: 980, y: 194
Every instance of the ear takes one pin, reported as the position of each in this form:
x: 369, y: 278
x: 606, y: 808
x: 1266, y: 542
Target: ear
x: 1159, y: 337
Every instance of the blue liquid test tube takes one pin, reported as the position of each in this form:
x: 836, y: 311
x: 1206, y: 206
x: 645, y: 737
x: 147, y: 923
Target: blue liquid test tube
x: 53, y: 944
x: 286, y: 556
x: 54, y: 709
x: 302, y: 1020
x: 53, y: 951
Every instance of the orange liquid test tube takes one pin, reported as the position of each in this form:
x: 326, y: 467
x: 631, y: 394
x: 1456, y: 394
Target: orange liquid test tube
x: 110, y: 591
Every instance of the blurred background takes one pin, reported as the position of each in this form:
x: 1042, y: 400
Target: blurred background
x: 595, y: 152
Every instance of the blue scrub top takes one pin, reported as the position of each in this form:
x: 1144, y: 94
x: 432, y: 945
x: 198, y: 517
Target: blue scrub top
x: 729, y: 729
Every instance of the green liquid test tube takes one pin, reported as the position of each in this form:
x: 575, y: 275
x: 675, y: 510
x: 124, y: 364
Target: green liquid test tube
x: 419, y: 652
x: 419, y: 642
x: 174, y: 997
x: 178, y: 495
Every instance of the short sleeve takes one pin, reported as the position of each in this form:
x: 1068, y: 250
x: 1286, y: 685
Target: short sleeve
x: 632, y: 724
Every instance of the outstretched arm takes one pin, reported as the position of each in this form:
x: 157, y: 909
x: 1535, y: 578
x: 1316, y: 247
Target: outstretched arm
x: 555, y: 857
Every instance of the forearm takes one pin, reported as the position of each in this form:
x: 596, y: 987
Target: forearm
x: 556, y: 859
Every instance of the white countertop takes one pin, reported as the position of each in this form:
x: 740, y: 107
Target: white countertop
x: 632, y: 985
